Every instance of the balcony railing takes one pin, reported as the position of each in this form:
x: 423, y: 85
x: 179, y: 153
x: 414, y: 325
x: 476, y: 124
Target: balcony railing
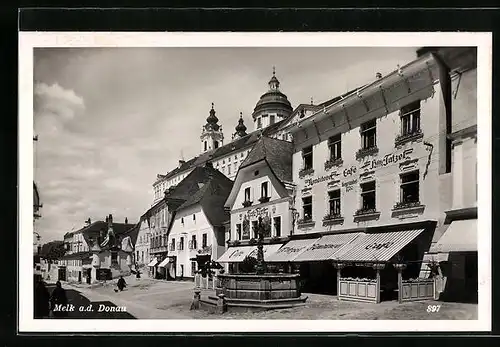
x: 304, y: 222
x: 408, y: 204
x: 192, y: 244
x: 333, y: 218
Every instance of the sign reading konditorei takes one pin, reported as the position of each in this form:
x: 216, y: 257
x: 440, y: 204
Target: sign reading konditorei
x: 372, y: 164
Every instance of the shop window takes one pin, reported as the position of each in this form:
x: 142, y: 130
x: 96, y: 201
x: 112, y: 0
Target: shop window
x: 369, y: 134
x: 204, y: 241
x: 307, y: 158
x: 238, y: 231
x: 368, y: 196
x: 334, y: 202
x: 277, y: 226
x: 410, y: 186
x: 255, y: 227
x: 307, y: 208
x: 410, y: 119
x: 335, y: 147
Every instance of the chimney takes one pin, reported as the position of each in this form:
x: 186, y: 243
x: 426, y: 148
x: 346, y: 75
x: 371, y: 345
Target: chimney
x: 107, y: 219
x: 110, y: 219
x: 126, y: 220
x: 209, y: 164
x: 181, y: 162
x: 378, y: 75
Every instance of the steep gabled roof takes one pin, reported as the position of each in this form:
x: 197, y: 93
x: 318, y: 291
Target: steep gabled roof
x: 277, y: 153
x: 209, y: 188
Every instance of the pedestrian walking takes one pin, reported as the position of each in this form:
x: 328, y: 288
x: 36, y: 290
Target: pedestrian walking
x: 42, y: 300
x: 121, y: 283
x: 58, y: 297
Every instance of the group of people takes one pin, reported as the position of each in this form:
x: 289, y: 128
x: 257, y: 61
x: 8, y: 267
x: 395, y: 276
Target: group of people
x: 45, y: 302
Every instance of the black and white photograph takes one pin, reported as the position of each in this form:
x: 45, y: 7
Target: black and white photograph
x: 234, y: 179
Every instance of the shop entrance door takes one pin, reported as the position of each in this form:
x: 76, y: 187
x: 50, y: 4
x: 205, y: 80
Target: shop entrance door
x: 471, y: 274
x: 89, y: 276
x: 61, y: 274
x: 79, y: 277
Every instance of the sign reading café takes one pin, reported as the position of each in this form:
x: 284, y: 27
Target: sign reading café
x: 368, y: 165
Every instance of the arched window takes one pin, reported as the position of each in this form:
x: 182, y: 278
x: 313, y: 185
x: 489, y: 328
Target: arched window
x: 205, y: 145
x: 216, y: 144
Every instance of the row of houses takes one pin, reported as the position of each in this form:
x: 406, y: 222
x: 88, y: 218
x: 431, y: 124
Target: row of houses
x: 381, y: 176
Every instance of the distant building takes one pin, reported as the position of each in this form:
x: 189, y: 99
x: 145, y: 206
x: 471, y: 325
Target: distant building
x: 111, y: 242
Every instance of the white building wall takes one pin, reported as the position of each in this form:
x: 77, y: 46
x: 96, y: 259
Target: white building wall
x: 142, y: 244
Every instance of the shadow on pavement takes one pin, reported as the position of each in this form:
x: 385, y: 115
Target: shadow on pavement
x: 83, y: 308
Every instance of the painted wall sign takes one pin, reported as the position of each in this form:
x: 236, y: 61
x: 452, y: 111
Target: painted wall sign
x: 325, y: 246
x: 378, y: 246
x: 349, y: 185
x: 257, y: 212
x: 313, y: 181
x: 390, y: 159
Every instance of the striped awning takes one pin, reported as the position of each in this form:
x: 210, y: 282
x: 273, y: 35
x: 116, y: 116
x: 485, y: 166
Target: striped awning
x: 268, y: 250
x: 164, y: 262
x: 377, y: 247
x: 235, y: 254
x: 326, y: 247
x: 291, y: 250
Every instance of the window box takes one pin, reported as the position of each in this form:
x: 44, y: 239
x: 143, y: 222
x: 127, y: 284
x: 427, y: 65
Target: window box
x: 414, y: 136
x: 366, y: 214
x: 331, y: 219
x: 275, y: 238
x: 247, y: 203
x: 264, y: 199
x: 404, y: 205
x: 364, y: 152
x: 333, y: 162
x: 306, y: 172
x: 305, y: 223
x: 252, y: 241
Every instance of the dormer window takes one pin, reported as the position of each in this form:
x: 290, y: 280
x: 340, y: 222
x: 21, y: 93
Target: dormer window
x: 247, y: 194
x: 264, y: 190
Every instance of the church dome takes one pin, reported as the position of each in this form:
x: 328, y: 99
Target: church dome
x: 273, y: 99
x: 241, y: 127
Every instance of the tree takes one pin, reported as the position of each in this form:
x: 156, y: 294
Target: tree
x: 53, y: 250
x: 248, y: 265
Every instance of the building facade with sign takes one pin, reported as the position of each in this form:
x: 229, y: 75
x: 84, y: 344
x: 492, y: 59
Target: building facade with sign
x: 263, y: 189
x: 371, y: 163
x: 197, y: 227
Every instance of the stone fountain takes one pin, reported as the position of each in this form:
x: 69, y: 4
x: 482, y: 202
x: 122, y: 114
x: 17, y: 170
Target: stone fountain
x: 259, y: 290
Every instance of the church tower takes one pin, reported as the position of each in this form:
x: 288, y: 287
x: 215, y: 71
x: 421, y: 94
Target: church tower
x: 241, y: 129
x: 211, y: 133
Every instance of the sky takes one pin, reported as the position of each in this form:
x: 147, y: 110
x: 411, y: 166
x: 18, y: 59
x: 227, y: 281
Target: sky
x: 109, y: 120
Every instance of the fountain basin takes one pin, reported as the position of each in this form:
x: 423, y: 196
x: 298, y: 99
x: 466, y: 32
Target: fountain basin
x: 266, y: 291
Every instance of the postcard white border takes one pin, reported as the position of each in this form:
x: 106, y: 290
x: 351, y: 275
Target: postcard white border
x: 30, y: 40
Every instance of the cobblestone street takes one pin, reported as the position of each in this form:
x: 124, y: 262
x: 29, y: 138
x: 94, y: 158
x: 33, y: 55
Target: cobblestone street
x: 147, y: 298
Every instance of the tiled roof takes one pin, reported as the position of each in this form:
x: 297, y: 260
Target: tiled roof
x: 77, y: 256
x: 225, y: 150
x: 212, y: 195
x: 277, y: 153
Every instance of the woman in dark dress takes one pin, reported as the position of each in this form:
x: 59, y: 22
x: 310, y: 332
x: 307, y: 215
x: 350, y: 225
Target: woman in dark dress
x: 42, y: 298
x: 58, y: 298
x: 121, y: 283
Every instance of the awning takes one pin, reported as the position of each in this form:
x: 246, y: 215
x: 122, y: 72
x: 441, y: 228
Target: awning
x: 164, y: 262
x: 153, y: 262
x: 378, y: 247
x: 461, y: 236
x: 235, y: 254
x: 268, y: 250
x: 326, y: 247
x: 291, y: 250
x: 425, y: 271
